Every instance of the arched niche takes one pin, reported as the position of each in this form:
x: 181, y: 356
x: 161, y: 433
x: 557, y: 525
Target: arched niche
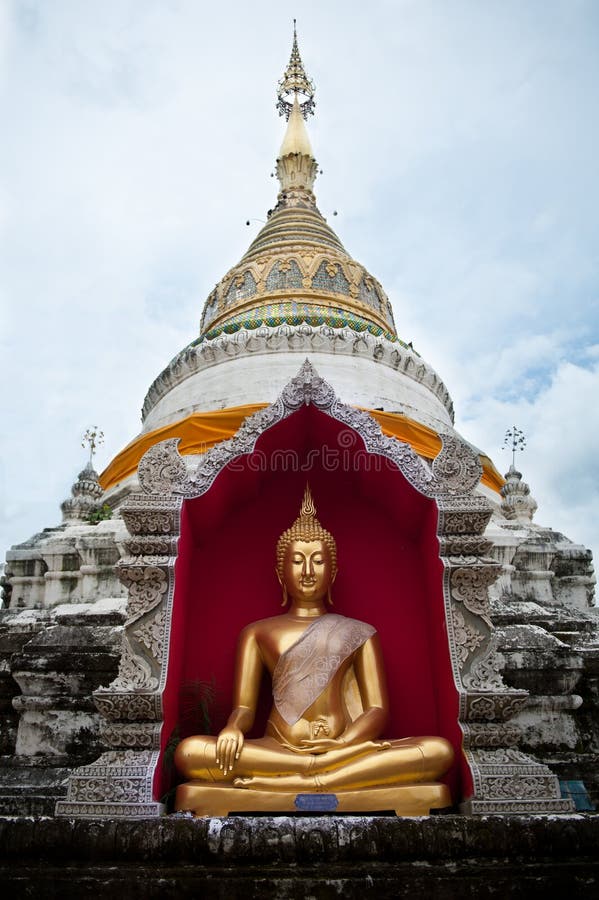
x: 414, y: 562
x: 390, y: 574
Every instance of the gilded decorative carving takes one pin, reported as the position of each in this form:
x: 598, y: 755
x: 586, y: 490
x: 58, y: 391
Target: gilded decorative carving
x: 309, y: 261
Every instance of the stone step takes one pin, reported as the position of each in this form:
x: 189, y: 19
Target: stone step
x: 30, y: 789
x: 21, y: 804
x: 42, y: 781
x: 282, y: 857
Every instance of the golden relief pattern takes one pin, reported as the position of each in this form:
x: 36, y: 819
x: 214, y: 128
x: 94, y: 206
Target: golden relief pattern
x: 319, y: 277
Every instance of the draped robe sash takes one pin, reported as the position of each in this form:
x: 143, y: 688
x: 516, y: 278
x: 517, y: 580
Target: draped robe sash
x: 305, y: 670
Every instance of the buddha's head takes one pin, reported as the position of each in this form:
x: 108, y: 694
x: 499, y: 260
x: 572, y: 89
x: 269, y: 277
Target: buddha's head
x: 306, y: 556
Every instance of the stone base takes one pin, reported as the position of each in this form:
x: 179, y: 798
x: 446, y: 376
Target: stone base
x: 118, y: 784
x: 325, y: 857
x: 408, y: 800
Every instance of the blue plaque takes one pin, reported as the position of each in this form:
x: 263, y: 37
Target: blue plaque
x: 316, y: 802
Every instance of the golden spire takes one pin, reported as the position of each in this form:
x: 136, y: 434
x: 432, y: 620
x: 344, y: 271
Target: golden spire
x: 294, y: 82
x: 296, y: 166
x: 296, y: 138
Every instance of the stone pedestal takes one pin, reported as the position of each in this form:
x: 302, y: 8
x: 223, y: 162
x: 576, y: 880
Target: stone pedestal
x: 407, y: 800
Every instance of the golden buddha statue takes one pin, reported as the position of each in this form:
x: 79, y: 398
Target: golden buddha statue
x: 330, y: 709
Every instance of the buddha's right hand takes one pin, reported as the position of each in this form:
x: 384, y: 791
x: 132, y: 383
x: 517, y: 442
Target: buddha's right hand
x: 228, y: 748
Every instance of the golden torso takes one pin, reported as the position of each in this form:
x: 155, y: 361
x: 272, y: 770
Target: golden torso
x: 328, y: 716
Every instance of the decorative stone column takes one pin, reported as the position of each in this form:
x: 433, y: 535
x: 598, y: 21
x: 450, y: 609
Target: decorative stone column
x: 120, y: 782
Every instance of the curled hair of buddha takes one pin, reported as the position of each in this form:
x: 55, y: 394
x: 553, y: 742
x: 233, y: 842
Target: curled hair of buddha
x: 306, y: 528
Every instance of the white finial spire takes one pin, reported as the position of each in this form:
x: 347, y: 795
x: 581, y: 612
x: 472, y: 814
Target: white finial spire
x: 296, y: 138
x: 296, y: 166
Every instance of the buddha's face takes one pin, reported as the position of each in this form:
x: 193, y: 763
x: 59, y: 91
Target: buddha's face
x: 307, y: 571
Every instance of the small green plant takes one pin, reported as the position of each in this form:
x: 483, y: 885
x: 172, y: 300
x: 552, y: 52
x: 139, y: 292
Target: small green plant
x: 99, y: 514
x: 196, y: 703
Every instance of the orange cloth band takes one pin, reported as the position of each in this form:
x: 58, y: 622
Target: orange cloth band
x: 201, y: 431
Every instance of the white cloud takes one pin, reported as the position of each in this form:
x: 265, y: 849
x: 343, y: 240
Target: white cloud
x: 561, y: 460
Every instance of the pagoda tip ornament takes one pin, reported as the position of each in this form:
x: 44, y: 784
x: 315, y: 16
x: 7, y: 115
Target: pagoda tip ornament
x: 517, y: 501
x: 295, y: 82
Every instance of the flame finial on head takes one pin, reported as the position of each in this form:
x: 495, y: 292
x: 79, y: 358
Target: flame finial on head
x: 308, y: 509
x: 306, y: 528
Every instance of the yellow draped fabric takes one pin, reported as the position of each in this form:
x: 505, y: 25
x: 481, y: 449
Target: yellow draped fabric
x: 201, y: 431
x: 426, y: 442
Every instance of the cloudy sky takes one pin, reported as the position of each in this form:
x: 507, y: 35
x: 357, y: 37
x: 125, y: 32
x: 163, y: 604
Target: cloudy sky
x: 460, y: 146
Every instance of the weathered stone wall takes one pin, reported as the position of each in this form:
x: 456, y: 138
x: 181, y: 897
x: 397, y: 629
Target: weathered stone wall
x: 50, y: 662
x: 548, y: 632
x: 71, y: 563
x: 323, y: 857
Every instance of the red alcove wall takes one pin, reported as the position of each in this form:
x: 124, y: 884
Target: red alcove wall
x: 390, y: 574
